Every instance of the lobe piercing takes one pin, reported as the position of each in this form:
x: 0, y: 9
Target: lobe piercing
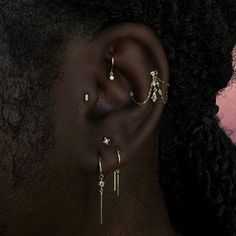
x: 106, y: 141
x: 111, y: 72
x: 154, y: 88
x: 101, y: 184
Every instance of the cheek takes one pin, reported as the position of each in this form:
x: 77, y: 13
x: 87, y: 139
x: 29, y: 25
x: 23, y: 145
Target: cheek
x: 74, y: 137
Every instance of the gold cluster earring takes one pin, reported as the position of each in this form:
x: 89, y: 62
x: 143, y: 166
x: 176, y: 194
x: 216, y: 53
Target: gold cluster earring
x: 155, y: 88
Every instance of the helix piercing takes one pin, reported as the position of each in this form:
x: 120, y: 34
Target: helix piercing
x: 116, y: 174
x: 155, y: 88
x: 111, y: 72
x: 101, y: 184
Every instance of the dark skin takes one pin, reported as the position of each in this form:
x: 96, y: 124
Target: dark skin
x: 67, y: 202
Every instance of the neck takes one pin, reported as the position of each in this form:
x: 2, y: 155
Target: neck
x: 66, y: 204
x: 140, y: 208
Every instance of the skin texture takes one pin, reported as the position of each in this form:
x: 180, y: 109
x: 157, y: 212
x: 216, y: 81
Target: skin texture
x: 110, y: 112
x: 178, y: 165
x: 73, y: 209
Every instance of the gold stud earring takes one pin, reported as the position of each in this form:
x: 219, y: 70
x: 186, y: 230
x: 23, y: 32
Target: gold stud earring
x: 101, y: 184
x: 155, y: 88
x: 111, y: 72
x: 106, y: 141
x: 86, y: 97
x: 116, y: 176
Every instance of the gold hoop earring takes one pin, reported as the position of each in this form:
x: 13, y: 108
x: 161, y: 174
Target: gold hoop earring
x: 155, y: 88
x: 101, y: 184
x: 116, y: 176
x: 111, y: 77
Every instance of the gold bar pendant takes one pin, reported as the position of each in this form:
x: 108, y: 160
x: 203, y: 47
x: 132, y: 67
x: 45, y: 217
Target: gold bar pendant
x: 101, y: 206
x: 114, y: 177
x: 118, y: 182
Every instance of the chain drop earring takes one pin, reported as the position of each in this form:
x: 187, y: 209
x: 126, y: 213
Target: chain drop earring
x: 101, y: 184
x: 155, y: 88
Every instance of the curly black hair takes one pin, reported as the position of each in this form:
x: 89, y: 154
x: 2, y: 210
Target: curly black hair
x: 197, y: 158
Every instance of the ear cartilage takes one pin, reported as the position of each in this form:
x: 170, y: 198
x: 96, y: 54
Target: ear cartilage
x: 155, y: 88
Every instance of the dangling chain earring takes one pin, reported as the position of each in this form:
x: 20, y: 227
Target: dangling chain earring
x: 111, y: 72
x: 154, y: 88
x: 101, y: 184
x: 116, y: 176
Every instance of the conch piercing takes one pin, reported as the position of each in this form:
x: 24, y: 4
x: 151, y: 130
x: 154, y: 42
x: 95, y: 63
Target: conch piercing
x: 101, y: 184
x: 116, y: 176
x: 111, y: 72
x: 106, y: 141
x: 154, y: 89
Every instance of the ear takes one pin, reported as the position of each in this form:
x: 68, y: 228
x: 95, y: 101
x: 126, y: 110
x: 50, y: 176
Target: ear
x: 110, y: 112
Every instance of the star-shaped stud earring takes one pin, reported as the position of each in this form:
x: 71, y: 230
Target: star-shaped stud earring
x: 106, y: 141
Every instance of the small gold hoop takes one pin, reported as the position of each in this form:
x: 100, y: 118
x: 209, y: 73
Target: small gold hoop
x: 100, y: 163
x: 118, y: 156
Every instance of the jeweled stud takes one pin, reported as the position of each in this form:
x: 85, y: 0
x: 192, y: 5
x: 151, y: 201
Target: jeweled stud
x: 86, y: 97
x: 106, y: 141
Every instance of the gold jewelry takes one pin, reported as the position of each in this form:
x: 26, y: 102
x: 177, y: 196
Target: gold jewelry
x: 106, y: 141
x: 154, y: 88
x: 86, y: 97
x: 111, y: 72
x: 116, y: 176
x: 101, y: 184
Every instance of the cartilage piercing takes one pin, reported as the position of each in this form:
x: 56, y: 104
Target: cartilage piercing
x: 155, y: 88
x: 86, y: 97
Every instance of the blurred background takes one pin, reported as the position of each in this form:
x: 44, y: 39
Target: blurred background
x: 227, y: 104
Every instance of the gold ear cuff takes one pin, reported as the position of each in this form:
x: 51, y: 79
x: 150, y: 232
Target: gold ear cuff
x: 155, y: 88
